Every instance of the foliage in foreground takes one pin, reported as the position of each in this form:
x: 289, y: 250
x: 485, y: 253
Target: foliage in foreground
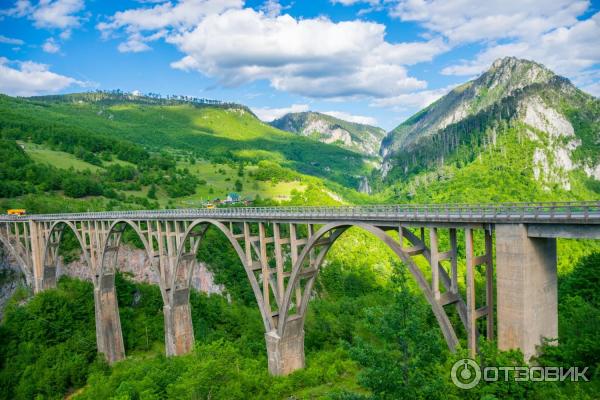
x: 380, y: 341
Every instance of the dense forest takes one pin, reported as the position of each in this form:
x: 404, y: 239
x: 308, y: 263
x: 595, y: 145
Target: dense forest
x: 364, y: 339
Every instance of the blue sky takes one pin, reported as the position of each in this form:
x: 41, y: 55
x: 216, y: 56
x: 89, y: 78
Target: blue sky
x: 372, y: 61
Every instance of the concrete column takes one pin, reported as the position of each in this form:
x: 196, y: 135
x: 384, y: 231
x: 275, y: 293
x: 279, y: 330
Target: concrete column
x: 49, y: 280
x: 109, y: 337
x: 286, y: 353
x: 179, y: 331
x: 36, y: 256
x: 526, y: 286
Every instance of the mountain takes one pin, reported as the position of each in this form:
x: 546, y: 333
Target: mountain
x: 325, y: 128
x: 119, y: 150
x: 516, y: 108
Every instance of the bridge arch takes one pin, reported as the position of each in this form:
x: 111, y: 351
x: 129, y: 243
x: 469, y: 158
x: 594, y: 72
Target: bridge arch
x: 179, y: 335
x: 183, y: 270
x: 112, y: 243
x: 336, y: 229
x: 50, y: 251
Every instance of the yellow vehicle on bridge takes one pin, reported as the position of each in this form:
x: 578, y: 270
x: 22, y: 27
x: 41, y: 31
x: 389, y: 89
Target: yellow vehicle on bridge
x: 16, y: 211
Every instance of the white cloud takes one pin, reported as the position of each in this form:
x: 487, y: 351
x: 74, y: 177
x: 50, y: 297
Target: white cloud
x: 13, y: 41
x: 413, y: 100
x: 20, y: 9
x: 473, y: 20
x: 569, y: 51
x: 133, y: 46
x: 183, y: 15
x: 311, y: 57
x: 50, y: 46
x: 359, y: 119
x: 137, y: 43
x: 315, y: 57
x: 30, y: 78
x: 269, y: 114
x: 272, y: 8
x: 59, y: 14
x: 352, y: 2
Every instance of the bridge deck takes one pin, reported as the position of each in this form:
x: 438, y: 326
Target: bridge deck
x: 585, y: 213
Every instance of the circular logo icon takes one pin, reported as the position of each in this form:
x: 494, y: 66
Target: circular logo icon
x: 465, y: 373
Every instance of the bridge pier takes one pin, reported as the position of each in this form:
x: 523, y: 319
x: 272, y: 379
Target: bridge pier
x: 527, y: 289
x: 179, y: 331
x: 286, y: 353
x: 109, y: 337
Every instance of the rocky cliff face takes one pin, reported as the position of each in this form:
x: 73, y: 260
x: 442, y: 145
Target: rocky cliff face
x: 362, y: 138
x: 561, y: 120
x: 132, y: 261
x: 136, y: 263
x: 10, y: 279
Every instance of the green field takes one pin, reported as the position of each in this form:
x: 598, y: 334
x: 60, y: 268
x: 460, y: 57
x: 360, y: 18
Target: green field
x: 220, y: 178
x: 58, y: 159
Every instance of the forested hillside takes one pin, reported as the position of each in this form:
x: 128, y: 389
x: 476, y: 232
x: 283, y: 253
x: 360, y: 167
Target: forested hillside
x: 117, y: 150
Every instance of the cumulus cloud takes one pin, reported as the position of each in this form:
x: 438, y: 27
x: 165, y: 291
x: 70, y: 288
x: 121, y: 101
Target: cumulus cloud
x: 569, y: 51
x: 269, y: 114
x: 183, y: 15
x: 28, y: 78
x: 359, y: 119
x: 413, y: 100
x: 13, y: 41
x: 50, y: 46
x: 311, y: 57
x: 59, y: 14
x: 472, y: 20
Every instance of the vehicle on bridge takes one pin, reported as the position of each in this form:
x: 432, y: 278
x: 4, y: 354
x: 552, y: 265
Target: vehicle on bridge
x: 16, y: 211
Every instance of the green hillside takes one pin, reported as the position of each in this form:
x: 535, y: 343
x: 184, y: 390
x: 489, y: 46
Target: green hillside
x: 141, y: 152
x: 220, y: 133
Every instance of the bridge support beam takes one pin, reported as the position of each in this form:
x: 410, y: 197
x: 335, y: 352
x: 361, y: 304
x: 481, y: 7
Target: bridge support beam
x: 526, y: 287
x: 109, y: 337
x: 286, y: 353
x: 179, y: 331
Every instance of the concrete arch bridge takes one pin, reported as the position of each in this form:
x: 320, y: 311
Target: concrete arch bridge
x: 283, y: 248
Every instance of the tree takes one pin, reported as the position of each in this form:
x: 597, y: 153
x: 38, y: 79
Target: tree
x: 403, y: 362
x: 238, y: 186
x: 152, y: 192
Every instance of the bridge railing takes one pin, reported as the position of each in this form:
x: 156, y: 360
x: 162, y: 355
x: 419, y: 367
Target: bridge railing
x: 582, y: 211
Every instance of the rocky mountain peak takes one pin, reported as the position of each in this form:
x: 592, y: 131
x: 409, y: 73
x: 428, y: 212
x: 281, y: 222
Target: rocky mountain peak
x: 512, y: 73
x: 543, y: 107
x: 325, y: 128
x: 505, y: 77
